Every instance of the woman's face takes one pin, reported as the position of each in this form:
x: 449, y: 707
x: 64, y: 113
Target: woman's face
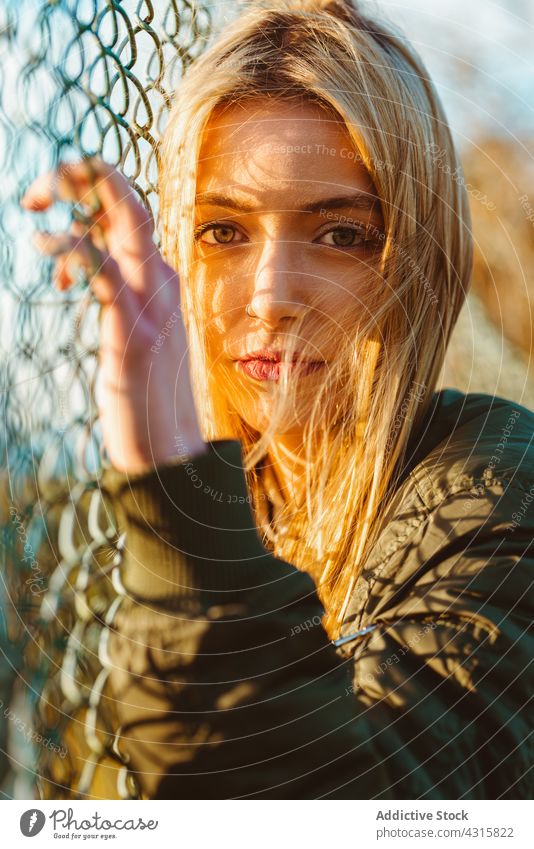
x: 282, y: 206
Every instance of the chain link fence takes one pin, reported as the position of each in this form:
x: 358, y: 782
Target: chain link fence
x: 76, y: 77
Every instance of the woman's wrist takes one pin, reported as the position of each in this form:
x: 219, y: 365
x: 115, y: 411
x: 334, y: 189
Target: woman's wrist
x: 148, y: 419
x: 186, y: 443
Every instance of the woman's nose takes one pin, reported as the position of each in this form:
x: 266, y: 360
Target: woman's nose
x: 278, y: 289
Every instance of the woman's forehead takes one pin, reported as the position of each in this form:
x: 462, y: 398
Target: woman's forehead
x: 254, y: 119
x: 279, y: 146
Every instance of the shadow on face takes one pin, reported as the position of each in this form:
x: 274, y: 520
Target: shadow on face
x: 287, y: 221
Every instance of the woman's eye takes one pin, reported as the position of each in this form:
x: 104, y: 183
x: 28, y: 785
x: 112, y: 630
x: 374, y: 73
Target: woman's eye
x: 223, y: 234
x: 220, y: 233
x: 348, y: 237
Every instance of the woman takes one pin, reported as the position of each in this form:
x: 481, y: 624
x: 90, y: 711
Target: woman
x: 268, y: 408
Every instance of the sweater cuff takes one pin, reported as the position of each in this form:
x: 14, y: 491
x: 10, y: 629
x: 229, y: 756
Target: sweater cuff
x: 190, y: 530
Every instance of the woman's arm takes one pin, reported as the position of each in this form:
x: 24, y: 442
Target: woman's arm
x: 144, y: 396
x: 227, y: 686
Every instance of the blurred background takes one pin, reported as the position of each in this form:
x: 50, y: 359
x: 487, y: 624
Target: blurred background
x: 97, y: 76
x: 481, y: 58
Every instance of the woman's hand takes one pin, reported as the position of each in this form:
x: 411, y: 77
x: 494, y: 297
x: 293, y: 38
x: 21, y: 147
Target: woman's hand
x: 145, y: 397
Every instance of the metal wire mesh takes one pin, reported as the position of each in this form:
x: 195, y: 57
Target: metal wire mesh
x: 76, y: 77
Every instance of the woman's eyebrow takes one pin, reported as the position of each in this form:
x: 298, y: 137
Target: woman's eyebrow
x: 356, y: 200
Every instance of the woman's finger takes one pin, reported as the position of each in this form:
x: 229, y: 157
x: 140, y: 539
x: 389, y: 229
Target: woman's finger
x: 78, y: 251
x: 97, y: 185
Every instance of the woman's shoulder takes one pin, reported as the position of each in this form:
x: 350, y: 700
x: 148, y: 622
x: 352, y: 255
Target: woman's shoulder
x: 464, y: 508
x: 471, y: 440
x: 455, y: 548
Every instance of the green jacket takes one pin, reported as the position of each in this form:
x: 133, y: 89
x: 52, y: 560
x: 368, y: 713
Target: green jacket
x: 226, y: 684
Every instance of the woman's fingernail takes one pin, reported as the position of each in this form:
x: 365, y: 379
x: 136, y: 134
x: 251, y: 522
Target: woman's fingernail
x: 41, y: 238
x: 34, y: 202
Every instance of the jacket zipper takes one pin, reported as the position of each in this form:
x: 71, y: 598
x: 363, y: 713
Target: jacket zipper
x: 349, y: 637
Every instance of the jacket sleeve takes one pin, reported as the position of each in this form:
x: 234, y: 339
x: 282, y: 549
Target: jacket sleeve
x: 451, y: 658
x: 225, y: 684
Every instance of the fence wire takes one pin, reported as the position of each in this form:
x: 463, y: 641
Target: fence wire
x: 76, y: 77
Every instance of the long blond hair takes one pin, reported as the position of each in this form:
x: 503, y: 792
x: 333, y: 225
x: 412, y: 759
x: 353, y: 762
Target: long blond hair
x: 365, y: 72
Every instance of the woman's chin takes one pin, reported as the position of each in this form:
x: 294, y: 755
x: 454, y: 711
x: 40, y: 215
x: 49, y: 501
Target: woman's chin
x: 256, y: 401
x: 261, y: 416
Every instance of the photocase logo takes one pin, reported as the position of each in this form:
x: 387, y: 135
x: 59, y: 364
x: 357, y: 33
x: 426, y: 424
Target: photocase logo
x: 32, y: 822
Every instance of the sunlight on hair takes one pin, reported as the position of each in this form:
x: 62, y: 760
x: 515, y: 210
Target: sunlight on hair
x: 360, y: 419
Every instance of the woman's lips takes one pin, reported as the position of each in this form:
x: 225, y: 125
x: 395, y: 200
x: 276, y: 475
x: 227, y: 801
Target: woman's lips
x: 269, y: 370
